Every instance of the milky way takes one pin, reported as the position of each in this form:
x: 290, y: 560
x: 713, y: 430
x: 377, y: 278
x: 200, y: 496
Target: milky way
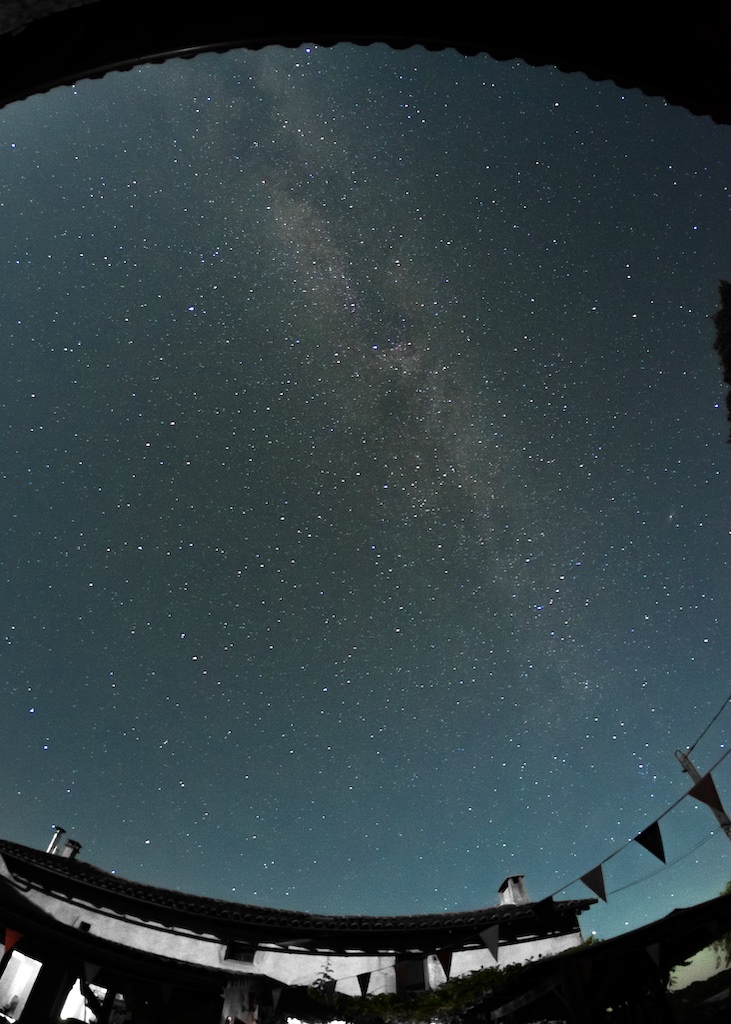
x: 365, y: 489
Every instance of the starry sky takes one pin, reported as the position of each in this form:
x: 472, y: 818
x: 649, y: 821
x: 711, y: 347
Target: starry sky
x: 364, y: 485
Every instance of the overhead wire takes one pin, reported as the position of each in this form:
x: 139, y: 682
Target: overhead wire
x: 662, y: 867
x: 694, y: 745
x: 659, y: 818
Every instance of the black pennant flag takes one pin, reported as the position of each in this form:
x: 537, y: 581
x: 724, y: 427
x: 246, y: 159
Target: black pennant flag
x: 653, y: 951
x: 444, y: 956
x: 651, y: 839
x: 706, y: 792
x: 594, y: 879
x: 491, y: 938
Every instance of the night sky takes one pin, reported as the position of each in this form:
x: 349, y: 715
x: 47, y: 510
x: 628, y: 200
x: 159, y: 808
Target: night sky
x: 364, y: 480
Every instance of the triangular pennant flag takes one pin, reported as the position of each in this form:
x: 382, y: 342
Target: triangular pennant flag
x: 444, y: 956
x: 706, y: 792
x: 651, y: 839
x: 654, y: 952
x: 167, y: 991
x: 594, y: 880
x: 328, y: 988
x: 363, y: 980
x: 90, y: 972
x: 12, y: 938
x: 491, y: 939
x: 276, y: 993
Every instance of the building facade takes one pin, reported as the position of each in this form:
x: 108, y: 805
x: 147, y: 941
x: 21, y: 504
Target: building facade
x: 83, y: 944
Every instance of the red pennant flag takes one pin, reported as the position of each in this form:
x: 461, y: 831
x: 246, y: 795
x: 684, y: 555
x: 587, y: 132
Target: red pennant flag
x: 363, y: 980
x: 12, y: 938
x: 276, y: 993
x: 706, y: 792
x: 651, y: 839
x: 444, y: 956
x: 594, y: 879
x: 491, y: 938
x: 654, y: 952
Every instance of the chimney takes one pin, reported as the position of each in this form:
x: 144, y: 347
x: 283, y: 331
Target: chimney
x: 71, y: 849
x: 55, y: 845
x: 513, y: 890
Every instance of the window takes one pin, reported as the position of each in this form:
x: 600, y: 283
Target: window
x: 16, y: 982
x: 238, y: 951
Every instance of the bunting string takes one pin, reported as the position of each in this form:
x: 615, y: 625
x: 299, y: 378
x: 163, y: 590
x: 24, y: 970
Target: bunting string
x: 594, y: 879
x: 657, y: 871
x: 650, y: 838
x: 694, y: 745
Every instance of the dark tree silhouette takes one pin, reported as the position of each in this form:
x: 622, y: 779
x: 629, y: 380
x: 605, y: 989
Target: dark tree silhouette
x: 722, y: 946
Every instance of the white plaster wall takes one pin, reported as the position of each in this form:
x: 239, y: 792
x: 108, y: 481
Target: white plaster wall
x: 209, y: 951
x: 300, y: 969
x: 517, y: 953
x: 289, y: 968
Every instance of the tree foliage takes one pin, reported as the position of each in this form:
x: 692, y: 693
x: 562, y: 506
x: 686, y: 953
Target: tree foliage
x: 445, y: 1004
x: 722, y: 946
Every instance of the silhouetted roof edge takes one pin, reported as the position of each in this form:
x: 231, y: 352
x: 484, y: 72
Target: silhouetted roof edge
x: 82, y: 881
x: 43, y: 931
x: 653, y: 949
x: 683, y: 58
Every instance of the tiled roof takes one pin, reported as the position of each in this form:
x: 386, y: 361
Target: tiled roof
x: 77, y: 881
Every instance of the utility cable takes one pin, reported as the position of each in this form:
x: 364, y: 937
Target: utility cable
x: 662, y: 867
x: 691, y: 748
x: 659, y: 818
